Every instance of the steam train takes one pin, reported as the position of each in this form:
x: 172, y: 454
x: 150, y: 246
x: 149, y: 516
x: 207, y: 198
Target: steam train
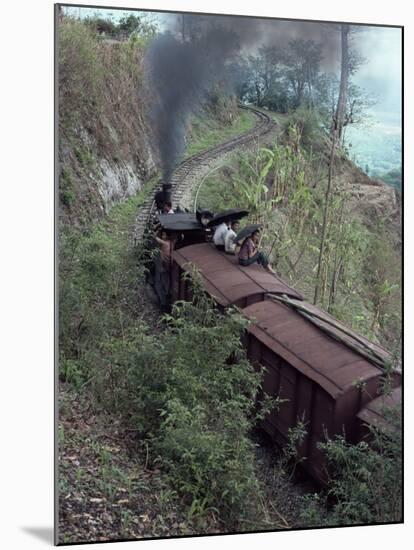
x: 327, y: 376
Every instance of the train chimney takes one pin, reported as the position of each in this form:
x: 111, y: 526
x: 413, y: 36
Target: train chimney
x: 166, y: 189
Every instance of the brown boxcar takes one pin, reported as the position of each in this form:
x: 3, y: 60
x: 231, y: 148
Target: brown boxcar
x: 372, y: 415
x: 223, y: 278
x: 324, y: 382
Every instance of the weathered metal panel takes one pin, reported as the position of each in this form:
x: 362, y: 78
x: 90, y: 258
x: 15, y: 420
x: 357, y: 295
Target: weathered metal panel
x: 253, y: 349
x: 271, y: 378
x: 346, y: 408
x: 226, y: 280
x: 329, y: 319
x: 305, y: 389
x: 325, y: 382
x: 287, y: 392
x: 322, y: 413
x: 373, y: 413
x: 290, y: 357
x: 323, y: 359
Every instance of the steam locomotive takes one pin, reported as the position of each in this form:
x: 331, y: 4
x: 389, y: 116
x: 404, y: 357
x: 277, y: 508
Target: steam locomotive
x: 328, y: 376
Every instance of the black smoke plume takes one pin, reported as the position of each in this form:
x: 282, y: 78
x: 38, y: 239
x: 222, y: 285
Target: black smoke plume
x: 183, y: 63
x: 181, y: 74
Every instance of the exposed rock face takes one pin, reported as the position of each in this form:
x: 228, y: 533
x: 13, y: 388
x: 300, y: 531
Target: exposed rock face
x: 105, y: 154
x: 100, y: 171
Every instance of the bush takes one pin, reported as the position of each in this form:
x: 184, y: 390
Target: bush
x: 195, y: 406
x: 81, y: 75
x: 98, y: 280
x: 366, y: 480
x: 303, y: 125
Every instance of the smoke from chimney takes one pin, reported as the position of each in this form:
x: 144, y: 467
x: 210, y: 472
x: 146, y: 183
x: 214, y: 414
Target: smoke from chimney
x: 181, y: 75
x: 182, y: 65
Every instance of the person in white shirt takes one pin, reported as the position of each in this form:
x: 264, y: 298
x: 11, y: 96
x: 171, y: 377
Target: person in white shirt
x: 220, y: 233
x: 167, y: 208
x: 229, y: 244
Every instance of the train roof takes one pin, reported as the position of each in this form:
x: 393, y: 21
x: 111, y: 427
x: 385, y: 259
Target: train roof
x: 373, y: 413
x: 226, y: 280
x: 319, y: 356
x: 181, y: 221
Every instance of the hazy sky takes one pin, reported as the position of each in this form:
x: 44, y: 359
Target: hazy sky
x: 381, y: 46
x: 382, y: 72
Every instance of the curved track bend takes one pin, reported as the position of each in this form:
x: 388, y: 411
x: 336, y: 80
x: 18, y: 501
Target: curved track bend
x: 191, y: 170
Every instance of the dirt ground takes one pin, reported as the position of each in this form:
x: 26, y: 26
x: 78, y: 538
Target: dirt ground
x: 110, y: 487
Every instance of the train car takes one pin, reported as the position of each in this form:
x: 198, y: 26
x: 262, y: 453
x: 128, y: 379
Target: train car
x: 371, y: 417
x: 328, y: 376
x: 324, y: 381
x: 223, y: 278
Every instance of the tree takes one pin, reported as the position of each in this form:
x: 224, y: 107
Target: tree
x: 302, y: 67
x: 238, y: 74
x: 133, y: 24
x: 358, y: 102
x: 337, y: 126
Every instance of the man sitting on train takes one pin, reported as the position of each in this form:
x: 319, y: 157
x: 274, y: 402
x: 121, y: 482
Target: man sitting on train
x: 229, y: 239
x: 249, y: 253
x: 220, y: 234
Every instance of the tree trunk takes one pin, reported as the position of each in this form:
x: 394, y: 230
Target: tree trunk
x: 337, y: 261
x: 340, y: 110
x: 335, y: 139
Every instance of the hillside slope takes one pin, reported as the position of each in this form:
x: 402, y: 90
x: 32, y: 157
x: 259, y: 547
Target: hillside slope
x: 106, y: 151
x: 105, y: 154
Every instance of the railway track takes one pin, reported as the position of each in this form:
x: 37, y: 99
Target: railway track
x: 192, y: 169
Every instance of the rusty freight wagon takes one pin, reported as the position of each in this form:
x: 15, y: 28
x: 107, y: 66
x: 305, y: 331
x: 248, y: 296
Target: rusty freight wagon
x: 327, y: 375
x: 223, y: 278
x: 372, y: 415
x: 324, y: 382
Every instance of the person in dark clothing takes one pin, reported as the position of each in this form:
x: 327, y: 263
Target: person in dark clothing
x: 162, y: 267
x: 166, y: 245
x: 249, y: 253
x: 159, y: 200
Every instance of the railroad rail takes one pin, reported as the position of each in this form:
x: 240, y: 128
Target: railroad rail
x: 195, y: 167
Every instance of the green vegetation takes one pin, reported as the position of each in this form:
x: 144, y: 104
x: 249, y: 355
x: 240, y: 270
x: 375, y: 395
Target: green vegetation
x: 206, y: 131
x: 97, y: 278
x: 179, y: 391
x: 176, y: 387
x: 181, y: 386
x: 128, y: 26
x: 365, y: 485
x: 89, y: 71
x: 281, y: 187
